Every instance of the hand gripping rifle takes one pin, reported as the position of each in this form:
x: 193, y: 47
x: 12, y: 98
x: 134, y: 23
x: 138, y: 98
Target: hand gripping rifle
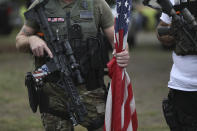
x: 63, y: 62
x: 183, y: 28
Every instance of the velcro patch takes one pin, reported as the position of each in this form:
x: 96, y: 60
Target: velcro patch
x: 84, y: 14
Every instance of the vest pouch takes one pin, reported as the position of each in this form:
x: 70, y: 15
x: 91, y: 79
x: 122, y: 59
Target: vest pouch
x: 183, y: 40
x: 105, y: 48
x: 94, y: 51
x: 183, y: 48
x: 95, y: 73
x: 184, y: 45
x: 75, y: 37
x: 75, y: 32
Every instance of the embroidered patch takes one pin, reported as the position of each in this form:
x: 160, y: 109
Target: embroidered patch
x: 84, y: 4
x: 84, y: 14
x: 49, y: 19
x: 60, y: 19
x: 55, y: 19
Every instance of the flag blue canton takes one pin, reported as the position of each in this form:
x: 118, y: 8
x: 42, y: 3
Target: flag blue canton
x: 45, y: 68
x: 123, y: 8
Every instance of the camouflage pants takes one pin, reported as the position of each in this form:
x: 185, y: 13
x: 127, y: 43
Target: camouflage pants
x: 93, y: 100
x: 54, y: 123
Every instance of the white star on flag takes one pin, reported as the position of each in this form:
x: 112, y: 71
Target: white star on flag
x: 119, y: 4
x: 125, y: 16
x: 127, y: 21
x: 126, y: 3
x: 129, y: 8
x: 116, y: 15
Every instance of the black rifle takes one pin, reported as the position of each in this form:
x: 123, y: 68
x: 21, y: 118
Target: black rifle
x: 183, y: 28
x: 147, y: 3
x: 63, y: 62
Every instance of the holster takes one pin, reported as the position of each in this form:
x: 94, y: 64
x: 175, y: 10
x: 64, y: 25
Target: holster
x: 32, y: 92
x: 169, y: 112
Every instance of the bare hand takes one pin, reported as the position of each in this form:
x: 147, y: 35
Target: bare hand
x: 122, y: 58
x: 38, y: 47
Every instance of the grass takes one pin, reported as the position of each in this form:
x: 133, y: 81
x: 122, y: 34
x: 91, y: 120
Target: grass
x: 149, y: 70
x: 15, y: 114
x: 9, y: 39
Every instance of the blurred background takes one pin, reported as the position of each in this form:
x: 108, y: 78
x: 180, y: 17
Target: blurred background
x: 149, y: 69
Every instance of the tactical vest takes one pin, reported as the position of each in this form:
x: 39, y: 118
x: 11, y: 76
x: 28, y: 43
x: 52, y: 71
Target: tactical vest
x: 81, y: 13
x: 82, y: 34
x: 191, y: 5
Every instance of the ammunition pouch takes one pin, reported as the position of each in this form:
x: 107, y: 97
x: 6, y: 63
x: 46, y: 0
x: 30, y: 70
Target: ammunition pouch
x: 184, y: 46
x: 95, y: 73
x: 33, y: 93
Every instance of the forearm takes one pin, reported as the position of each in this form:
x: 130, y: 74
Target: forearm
x: 22, y: 43
x: 22, y: 39
x: 127, y: 47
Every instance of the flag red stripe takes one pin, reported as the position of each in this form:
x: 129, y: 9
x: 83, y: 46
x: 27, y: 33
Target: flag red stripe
x: 134, y: 114
x: 120, y: 45
x: 127, y: 108
x: 134, y: 121
x: 116, y: 95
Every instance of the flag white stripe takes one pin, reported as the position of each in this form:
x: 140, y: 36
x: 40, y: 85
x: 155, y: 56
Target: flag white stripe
x: 124, y: 101
x: 132, y: 103
x: 39, y: 74
x: 130, y: 127
x: 117, y: 37
x: 125, y: 41
x: 108, y: 110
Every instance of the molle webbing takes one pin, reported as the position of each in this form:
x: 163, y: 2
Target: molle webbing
x: 81, y: 13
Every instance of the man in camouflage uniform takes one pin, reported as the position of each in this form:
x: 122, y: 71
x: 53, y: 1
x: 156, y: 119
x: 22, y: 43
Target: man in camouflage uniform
x: 53, y: 107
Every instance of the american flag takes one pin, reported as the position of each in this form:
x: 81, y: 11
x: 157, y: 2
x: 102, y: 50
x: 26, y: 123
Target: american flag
x: 120, y: 112
x: 60, y: 19
x: 40, y: 73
